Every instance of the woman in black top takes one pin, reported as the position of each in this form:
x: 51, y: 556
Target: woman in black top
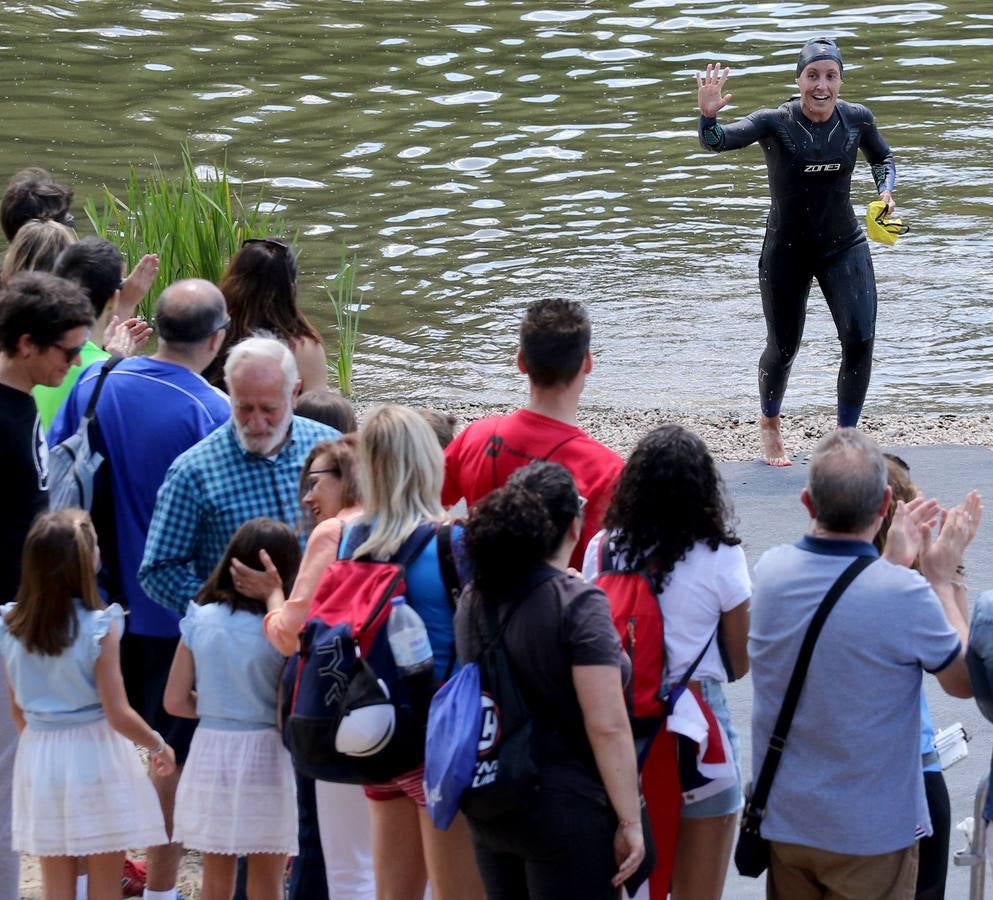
x: 810, y: 145
x: 582, y: 835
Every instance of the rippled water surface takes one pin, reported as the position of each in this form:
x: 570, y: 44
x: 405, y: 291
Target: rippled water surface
x: 477, y: 154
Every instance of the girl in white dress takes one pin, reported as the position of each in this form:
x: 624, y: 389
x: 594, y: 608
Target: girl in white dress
x: 237, y: 794
x: 80, y: 789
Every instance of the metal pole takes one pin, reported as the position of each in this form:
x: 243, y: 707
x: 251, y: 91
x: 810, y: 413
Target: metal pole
x: 974, y: 855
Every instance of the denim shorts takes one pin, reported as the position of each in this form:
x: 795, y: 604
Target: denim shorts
x: 729, y: 800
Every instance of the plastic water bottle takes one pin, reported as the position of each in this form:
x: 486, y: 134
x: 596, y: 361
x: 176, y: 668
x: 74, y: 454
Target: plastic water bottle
x: 408, y: 640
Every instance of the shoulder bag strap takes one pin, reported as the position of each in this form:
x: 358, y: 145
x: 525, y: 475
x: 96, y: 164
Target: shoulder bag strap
x: 688, y: 674
x: 777, y: 743
x: 101, y: 378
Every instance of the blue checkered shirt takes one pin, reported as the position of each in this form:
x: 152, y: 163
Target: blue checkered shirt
x: 209, y: 492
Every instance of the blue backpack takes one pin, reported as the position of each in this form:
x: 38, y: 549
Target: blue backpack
x: 455, y: 721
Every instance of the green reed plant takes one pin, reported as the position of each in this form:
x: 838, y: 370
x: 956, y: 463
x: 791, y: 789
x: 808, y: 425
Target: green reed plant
x: 195, y: 223
x: 347, y: 314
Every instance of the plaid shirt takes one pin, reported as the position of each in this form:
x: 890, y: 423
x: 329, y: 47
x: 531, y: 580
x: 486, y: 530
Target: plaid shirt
x: 209, y: 492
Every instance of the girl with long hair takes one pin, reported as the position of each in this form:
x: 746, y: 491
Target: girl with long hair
x: 236, y: 796
x: 329, y: 495
x: 260, y: 288
x: 80, y: 790
x: 668, y: 519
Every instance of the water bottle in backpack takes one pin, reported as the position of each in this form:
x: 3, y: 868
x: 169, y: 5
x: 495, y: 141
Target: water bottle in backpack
x: 409, y: 640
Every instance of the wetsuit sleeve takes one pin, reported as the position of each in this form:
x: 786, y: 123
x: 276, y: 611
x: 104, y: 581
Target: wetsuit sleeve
x: 878, y: 154
x: 717, y: 137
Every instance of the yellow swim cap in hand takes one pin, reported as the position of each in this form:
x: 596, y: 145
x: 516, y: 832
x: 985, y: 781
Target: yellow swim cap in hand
x: 879, y: 227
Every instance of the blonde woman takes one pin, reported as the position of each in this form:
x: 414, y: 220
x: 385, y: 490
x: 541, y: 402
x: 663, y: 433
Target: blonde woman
x: 36, y: 247
x: 401, y: 468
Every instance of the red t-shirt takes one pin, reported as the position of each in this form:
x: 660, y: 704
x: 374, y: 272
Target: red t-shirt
x: 487, y: 452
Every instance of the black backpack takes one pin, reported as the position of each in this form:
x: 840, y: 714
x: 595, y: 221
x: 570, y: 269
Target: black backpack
x: 506, y: 777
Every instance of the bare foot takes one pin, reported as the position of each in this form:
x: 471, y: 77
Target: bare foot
x: 773, y: 449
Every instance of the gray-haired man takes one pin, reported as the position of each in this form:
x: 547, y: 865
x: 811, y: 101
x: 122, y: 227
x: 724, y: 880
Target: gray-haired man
x: 849, y: 793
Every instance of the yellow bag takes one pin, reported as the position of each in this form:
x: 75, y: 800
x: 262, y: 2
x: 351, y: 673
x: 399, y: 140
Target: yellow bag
x: 880, y: 228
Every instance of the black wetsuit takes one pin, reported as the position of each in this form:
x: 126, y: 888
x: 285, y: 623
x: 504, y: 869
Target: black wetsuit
x: 812, y: 233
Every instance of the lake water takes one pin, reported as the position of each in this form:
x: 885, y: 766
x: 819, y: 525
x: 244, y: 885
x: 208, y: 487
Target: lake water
x: 478, y: 154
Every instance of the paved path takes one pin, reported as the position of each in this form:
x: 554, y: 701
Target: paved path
x: 767, y: 504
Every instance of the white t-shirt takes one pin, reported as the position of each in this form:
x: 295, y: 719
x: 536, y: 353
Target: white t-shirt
x: 701, y: 587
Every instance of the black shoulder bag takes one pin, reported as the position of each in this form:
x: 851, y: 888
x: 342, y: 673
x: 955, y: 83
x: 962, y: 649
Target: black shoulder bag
x: 751, y: 855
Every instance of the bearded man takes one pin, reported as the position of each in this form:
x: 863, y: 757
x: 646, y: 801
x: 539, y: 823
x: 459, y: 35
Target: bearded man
x: 247, y: 468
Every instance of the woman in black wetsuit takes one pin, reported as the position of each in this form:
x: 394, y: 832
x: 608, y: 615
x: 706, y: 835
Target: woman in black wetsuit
x: 810, y: 145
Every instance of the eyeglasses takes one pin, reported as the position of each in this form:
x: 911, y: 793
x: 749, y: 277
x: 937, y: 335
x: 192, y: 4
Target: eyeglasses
x: 224, y: 325
x: 311, y: 482
x: 582, y: 506
x: 70, y: 352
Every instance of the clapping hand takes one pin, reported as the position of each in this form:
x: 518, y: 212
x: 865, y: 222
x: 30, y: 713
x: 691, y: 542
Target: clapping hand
x: 910, y: 528
x: 127, y: 336
x: 941, y: 558
x: 709, y: 87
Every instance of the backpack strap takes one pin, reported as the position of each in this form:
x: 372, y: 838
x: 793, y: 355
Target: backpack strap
x: 606, y: 561
x: 409, y: 550
x: 446, y: 561
x: 101, y: 378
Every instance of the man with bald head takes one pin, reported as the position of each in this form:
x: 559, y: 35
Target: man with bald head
x: 150, y: 410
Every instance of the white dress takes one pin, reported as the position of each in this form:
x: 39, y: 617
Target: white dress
x: 237, y: 793
x: 79, y: 786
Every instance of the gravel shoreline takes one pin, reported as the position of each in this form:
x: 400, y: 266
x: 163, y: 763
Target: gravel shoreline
x: 732, y: 437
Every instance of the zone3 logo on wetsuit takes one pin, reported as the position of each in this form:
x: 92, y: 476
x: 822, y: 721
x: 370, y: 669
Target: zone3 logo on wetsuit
x: 795, y: 147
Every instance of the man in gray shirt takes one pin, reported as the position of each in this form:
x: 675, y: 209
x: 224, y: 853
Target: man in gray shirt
x: 848, y: 797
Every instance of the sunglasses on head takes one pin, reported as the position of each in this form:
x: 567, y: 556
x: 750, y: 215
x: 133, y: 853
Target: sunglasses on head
x: 275, y: 243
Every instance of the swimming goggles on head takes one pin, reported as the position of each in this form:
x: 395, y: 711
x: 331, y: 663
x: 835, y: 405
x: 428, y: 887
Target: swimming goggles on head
x: 879, y: 227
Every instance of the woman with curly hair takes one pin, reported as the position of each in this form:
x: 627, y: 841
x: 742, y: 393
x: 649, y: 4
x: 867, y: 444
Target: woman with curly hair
x: 260, y: 288
x: 669, y: 520
x: 581, y: 836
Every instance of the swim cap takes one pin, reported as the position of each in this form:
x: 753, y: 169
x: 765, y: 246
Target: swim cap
x: 880, y: 228
x: 819, y: 48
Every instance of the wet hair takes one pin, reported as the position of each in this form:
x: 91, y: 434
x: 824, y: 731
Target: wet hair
x: 554, y: 340
x: 898, y: 478
x: 442, y: 424
x: 259, y: 287
x: 188, y: 312
x: 277, y: 539
x: 56, y: 570
x: 329, y: 407
x: 512, y: 529
x: 401, y: 470
x: 846, y: 480
x: 43, y: 307
x: 669, y: 496
x: 96, y: 265
x: 36, y: 247
x: 817, y: 49
x: 342, y: 455
x: 33, y: 194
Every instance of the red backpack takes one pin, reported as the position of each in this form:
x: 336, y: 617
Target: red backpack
x: 635, y: 611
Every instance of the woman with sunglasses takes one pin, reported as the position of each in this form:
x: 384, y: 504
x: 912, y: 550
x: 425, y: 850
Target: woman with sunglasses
x: 810, y: 145
x: 260, y: 287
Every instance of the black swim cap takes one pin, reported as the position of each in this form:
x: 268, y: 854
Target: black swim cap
x: 819, y: 48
